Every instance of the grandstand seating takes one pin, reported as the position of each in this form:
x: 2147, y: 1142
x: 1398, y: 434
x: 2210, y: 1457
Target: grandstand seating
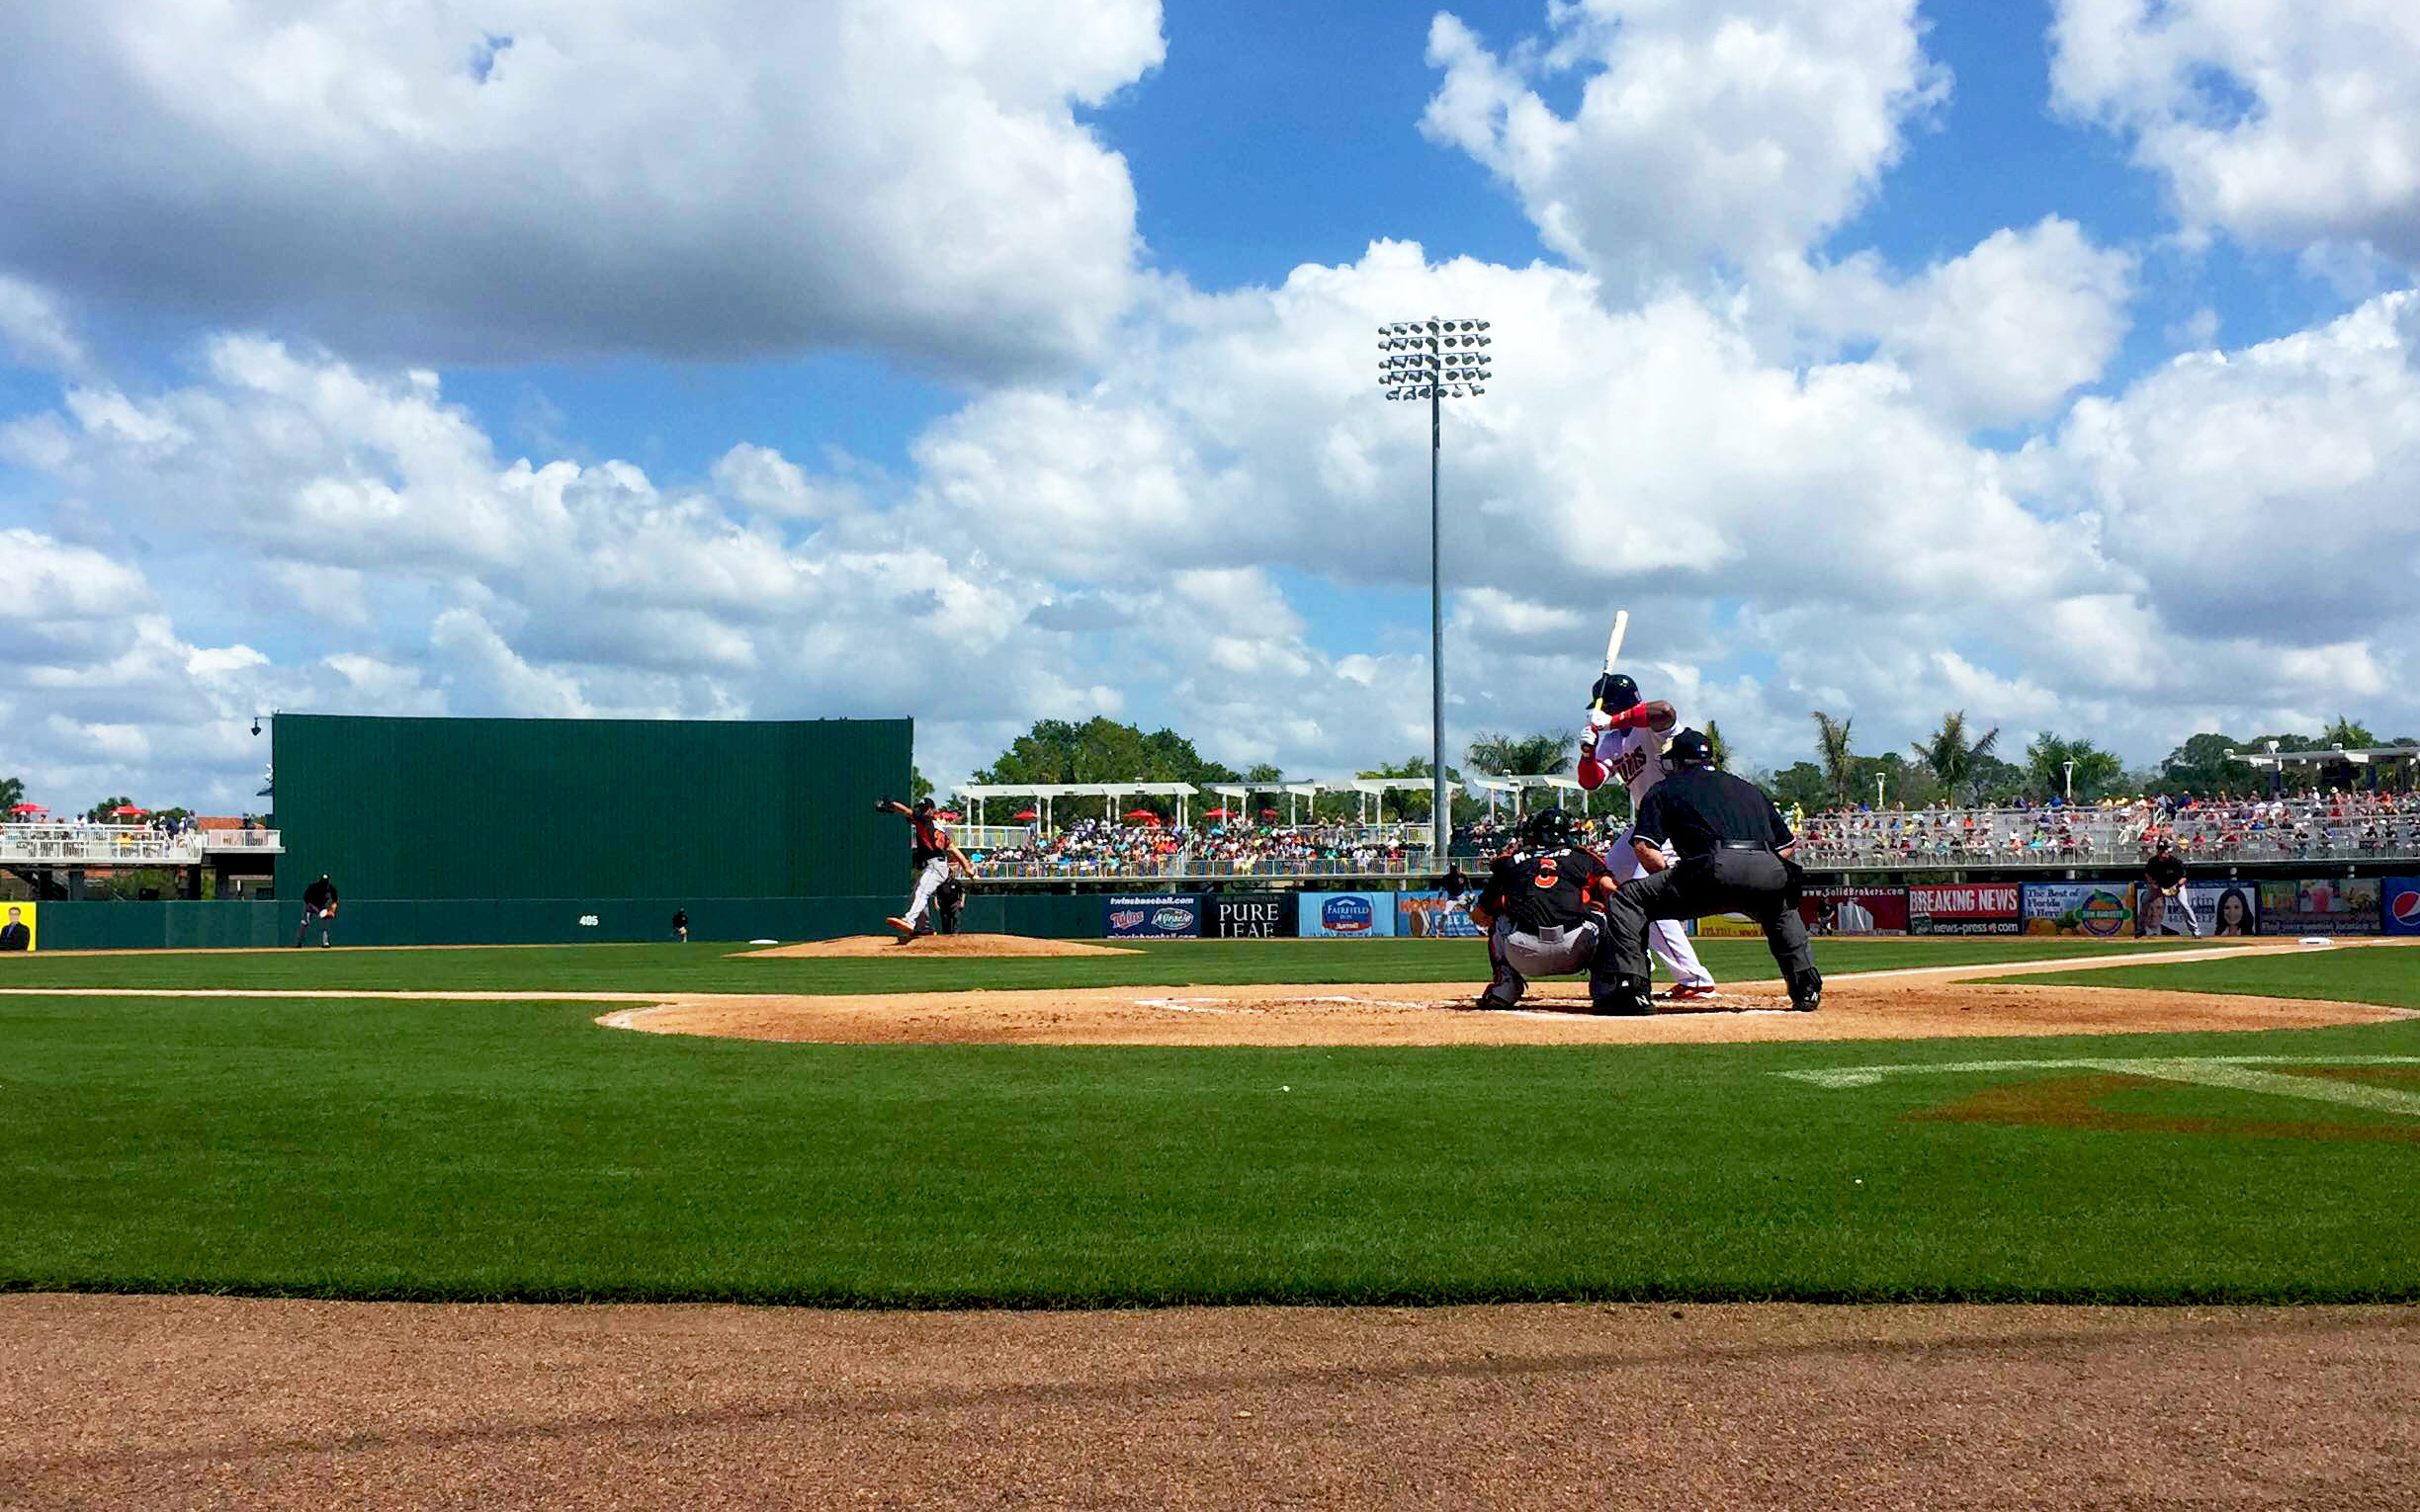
x: 2340, y: 827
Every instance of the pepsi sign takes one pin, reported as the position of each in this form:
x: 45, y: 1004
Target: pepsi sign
x: 2402, y: 905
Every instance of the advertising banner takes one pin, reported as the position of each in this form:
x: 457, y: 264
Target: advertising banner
x: 1729, y: 926
x: 1346, y: 916
x: 1967, y: 908
x: 1433, y: 917
x: 2321, y: 905
x: 2100, y: 910
x: 2220, y: 908
x: 1855, y: 910
x: 1247, y: 915
x: 1154, y: 916
x: 2402, y: 901
x: 18, y: 928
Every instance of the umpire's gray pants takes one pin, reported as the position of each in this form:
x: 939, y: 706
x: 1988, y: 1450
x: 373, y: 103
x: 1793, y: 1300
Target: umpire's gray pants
x: 1518, y: 954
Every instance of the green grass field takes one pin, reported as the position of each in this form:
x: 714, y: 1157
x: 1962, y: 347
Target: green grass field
x: 725, y: 968
x: 495, y: 1150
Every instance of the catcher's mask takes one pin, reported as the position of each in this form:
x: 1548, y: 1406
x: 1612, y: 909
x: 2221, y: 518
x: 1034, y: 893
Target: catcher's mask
x: 1549, y: 829
x: 1613, y: 692
x: 1691, y: 748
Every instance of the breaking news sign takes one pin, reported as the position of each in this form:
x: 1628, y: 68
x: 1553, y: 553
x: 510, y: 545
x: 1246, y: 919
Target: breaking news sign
x: 1965, y: 908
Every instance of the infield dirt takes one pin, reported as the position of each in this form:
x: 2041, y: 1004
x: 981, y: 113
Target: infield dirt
x: 1926, y: 1003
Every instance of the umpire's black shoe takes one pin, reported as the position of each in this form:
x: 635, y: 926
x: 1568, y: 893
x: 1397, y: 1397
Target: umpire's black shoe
x: 1628, y: 997
x: 1806, y: 991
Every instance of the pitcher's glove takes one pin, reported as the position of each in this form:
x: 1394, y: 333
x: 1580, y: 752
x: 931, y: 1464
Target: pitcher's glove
x: 882, y: 806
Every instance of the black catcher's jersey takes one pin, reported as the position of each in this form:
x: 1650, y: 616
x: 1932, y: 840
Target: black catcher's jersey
x: 1538, y: 889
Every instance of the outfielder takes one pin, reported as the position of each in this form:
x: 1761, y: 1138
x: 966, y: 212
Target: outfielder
x: 1625, y: 738
x: 1542, y: 911
x: 319, y: 908
x: 933, y: 853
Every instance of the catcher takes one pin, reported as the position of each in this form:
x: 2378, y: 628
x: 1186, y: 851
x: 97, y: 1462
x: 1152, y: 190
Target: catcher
x: 1542, y: 911
x: 933, y: 853
x: 2163, y: 888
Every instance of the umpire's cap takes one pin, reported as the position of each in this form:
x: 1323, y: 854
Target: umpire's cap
x: 1691, y: 748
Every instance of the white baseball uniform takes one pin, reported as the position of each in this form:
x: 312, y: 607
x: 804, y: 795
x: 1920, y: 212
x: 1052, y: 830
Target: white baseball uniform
x: 1637, y: 756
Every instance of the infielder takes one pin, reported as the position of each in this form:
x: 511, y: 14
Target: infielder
x: 1542, y: 911
x: 2163, y: 889
x: 933, y: 853
x: 1625, y: 738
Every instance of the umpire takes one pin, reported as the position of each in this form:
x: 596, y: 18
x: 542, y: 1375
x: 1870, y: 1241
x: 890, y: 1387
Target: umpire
x: 1734, y: 848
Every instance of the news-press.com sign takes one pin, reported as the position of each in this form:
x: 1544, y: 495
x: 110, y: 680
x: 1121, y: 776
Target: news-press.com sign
x: 2402, y: 905
x: 1990, y: 909
x: 1247, y: 915
x: 1433, y: 917
x: 1346, y: 916
x: 1161, y: 916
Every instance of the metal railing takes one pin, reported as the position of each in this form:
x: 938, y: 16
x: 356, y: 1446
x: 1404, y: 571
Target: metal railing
x: 2262, y: 834
x: 124, y: 845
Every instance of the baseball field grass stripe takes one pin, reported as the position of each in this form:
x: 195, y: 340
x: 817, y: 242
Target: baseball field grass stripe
x: 2388, y: 976
x: 676, y: 968
x: 513, y: 1150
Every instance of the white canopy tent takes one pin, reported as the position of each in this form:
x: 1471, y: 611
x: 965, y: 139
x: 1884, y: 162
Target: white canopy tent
x: 1108, y: 793
x: 1516, y: 787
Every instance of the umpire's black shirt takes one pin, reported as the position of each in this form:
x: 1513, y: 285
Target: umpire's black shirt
x: 1700, y: 810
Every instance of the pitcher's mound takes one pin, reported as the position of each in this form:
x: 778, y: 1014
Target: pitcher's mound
x: 942, y: 945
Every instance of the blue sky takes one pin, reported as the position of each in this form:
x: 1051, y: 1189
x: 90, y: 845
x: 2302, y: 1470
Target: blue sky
x: 1005, y: 361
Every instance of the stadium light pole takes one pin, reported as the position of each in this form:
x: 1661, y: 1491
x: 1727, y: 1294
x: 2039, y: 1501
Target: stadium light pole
x: 1435, y: 360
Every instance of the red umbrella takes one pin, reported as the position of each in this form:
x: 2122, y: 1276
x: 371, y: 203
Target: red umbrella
x: 27, y: 809
x: 951, y: 818
x: 1141, y: 816
x: 1028, y: 814
x: 127, y: 811
x: 1217, y: 813
x: 1269, y: 814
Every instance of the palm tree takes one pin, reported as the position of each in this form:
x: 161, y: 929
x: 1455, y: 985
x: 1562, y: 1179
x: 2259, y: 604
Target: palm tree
x: 1951, y: 757
x: 1722, y: 752
x: 1520, y: 756
x: 1838, y: 762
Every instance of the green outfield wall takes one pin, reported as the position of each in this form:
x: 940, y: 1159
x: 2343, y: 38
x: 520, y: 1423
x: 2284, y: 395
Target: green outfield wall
x: 495, y: 811
x: 125, y: 926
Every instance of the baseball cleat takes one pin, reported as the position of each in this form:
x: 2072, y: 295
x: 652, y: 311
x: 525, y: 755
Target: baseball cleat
x: 901, y: 925
x: 1690, y: 992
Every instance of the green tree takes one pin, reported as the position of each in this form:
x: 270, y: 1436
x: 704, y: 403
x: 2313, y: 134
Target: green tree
x: 1949, y: 753
x: 1997, y: 782
x: 1722, y: 750
x: 919, y: 787
x: 2346, y: 735
x: 1832, y: 749
x: 1541, y: 755
x: 1101, y: 750
x: 2096, y: 773
x: 2203, y: 765
x: 99, y: 814
x: 1802, y: 783
x: 12, y: 793
x: 1411, y: 806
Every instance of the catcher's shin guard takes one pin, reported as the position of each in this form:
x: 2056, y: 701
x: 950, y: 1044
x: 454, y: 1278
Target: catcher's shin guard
x: 1505, y: 984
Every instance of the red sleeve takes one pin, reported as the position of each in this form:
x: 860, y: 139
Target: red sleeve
x: 1592, y: 772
